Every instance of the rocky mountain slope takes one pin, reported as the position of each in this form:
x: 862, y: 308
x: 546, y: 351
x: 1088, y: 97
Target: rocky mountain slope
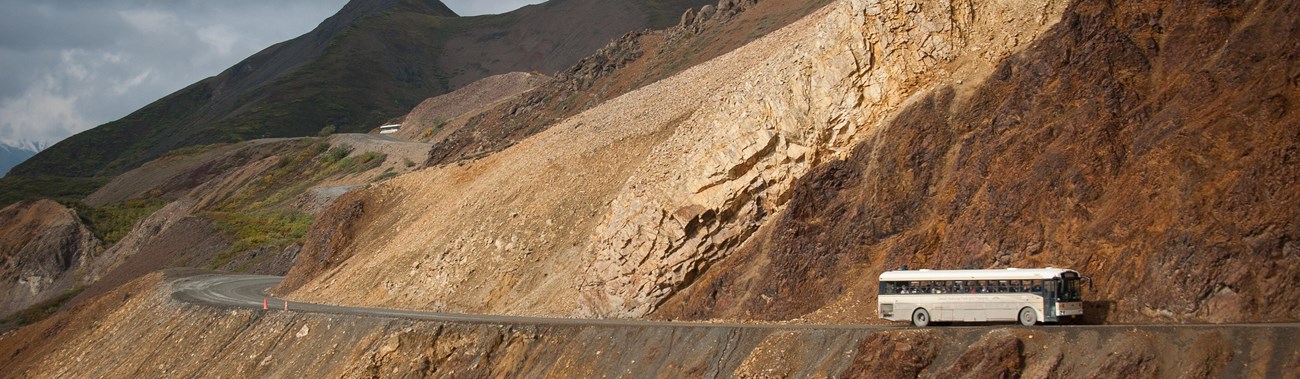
x: 569, y: 213
x: 372, y: 61
x: 1153, y: 147
x: 243, y: 207
x: 436, y: 117
x: 42, y: 246
x: 1150, y: 145
x: 629, y: 63
x: 774, y: 182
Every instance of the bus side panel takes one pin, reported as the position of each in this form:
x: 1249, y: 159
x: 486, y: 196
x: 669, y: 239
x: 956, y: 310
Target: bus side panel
x: 902, y: 307
x: 945, y: 314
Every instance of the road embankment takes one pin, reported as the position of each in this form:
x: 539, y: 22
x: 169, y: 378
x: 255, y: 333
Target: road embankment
x: 188, y: 323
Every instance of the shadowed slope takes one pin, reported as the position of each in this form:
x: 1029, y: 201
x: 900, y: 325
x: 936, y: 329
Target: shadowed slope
x: 1152, y: 147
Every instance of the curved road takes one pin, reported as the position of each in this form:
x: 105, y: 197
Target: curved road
x: 249, y: 291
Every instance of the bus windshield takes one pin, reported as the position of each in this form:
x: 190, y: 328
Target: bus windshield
x: 1070, y: 289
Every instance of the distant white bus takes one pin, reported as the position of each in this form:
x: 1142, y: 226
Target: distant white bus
x: 1026, y: 296
x: 390, y: 129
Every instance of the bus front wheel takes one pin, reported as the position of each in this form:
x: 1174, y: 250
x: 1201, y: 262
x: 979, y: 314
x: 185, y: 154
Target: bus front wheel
x: 920, y: 317
x: 1027, y: 316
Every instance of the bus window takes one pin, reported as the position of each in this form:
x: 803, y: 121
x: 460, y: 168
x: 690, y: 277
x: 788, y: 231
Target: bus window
x: 1070, y: 290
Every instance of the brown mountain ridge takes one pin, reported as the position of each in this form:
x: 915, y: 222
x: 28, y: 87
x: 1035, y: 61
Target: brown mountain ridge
x: 374, y: 60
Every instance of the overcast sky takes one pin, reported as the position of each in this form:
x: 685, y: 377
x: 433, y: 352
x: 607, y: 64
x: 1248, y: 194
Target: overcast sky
x: 70, y: 65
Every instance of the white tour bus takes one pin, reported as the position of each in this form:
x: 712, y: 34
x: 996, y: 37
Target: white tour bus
x: 1013, y: 294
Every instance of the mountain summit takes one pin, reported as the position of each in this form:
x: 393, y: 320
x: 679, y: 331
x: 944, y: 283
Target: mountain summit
x: 373, y: 60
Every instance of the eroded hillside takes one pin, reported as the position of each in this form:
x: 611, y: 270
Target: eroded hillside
x: 42, y: 246
x: 1150, y: 145
x: 1153, y: 147
x: 438, y: 116
x: 774, y: 182
x: 242, y: 208
x: 622, y: 204
x: 626, y: 64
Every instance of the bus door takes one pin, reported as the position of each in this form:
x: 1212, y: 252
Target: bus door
x: 1050, y: 289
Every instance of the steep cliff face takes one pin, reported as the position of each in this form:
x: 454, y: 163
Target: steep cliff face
x: 1152, y: 146
x: 733, y: 164
x: 42, y: 246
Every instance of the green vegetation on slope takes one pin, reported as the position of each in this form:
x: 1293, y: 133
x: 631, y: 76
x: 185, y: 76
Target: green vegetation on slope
x: 39, y: 311
x: 110, y: 223
x: 259, y: 216
x: 270, y: 229
x: 64, y: 190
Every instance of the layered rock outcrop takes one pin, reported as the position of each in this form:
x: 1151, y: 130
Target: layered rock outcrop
x: 635, y: 60
x: 43, y: 248
x: 714, y: 183
x: 1151, y: 146
x: 506, y: 233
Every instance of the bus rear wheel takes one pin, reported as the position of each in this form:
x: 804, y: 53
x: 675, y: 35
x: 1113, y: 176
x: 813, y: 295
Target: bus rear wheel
x: 1027, y: 316
x: 920, y: 317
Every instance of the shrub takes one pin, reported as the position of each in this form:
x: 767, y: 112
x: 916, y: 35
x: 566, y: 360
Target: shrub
x: 386, y: 175
x: 65, y: 190
x: 112, y: 222
x: 337, y: 153
x: 272, y: 229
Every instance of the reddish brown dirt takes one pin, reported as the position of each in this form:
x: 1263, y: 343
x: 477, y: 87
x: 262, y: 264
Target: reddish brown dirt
x: 138, y: 330
x: 42, y: 246
x: 192, y: 242
x: 440, y: 115
x: 326, y: 244
x: 894, y: 355
x: 1154, y: 147
x: 997, y: 355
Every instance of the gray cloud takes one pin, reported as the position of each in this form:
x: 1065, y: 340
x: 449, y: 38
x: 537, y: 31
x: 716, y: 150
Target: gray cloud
x: 71, y: 65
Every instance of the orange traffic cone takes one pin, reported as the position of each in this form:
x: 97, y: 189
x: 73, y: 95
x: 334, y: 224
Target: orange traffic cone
x: 264, y: 303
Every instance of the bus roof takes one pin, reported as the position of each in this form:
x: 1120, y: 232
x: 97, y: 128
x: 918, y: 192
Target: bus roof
x: 1003, y: 274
